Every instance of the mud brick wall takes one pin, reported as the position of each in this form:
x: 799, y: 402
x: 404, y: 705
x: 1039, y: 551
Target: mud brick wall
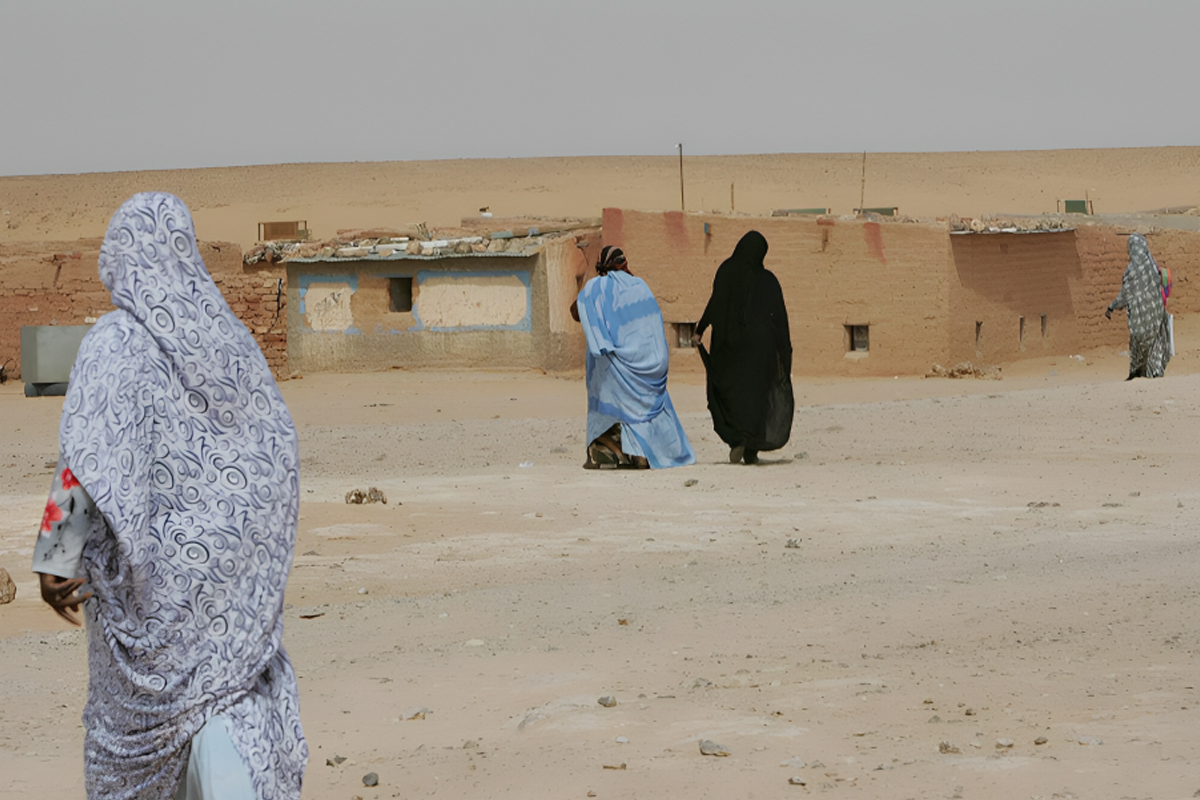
x: 56, y: 283
x: 893, y: 277
x: 1103, y: 255
x: 1179, y: 250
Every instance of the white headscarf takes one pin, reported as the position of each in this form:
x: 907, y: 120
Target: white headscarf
x: 176, y: 428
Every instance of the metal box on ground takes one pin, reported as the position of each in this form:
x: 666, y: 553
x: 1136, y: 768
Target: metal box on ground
x: 47, y: 355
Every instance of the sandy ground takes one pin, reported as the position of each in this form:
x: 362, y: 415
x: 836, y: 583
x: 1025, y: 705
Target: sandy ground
x: 927, y: 562
x: 229, y: 202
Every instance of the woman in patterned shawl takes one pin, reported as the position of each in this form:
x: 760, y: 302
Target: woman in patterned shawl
x: 1142, y: 295
x: 176, y: 502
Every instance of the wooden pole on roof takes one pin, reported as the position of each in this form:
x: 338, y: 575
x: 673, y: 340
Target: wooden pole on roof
x: 682, y: 206
x: 862, y: 196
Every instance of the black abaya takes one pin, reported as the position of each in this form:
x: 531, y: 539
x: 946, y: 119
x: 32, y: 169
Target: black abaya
x: 750, y: 365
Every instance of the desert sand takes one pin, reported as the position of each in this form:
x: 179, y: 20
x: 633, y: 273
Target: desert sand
x: 228, y: 203
x: 928, y: 561
x: 930, y: 579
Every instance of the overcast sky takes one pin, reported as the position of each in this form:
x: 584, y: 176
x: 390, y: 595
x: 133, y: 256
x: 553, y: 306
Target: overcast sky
x: 90, y: 85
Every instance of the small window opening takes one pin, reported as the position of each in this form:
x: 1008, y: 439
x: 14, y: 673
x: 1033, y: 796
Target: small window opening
x: 978, y: 333
x: 858, y: 338
x: 1043, y: 326
x: 1021, y: 331
x: 685, y: 334
x: 400, y: 291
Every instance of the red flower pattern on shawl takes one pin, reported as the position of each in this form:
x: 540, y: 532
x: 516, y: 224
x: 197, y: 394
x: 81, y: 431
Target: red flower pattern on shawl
x: 53, y: 514
x: 69, y: 481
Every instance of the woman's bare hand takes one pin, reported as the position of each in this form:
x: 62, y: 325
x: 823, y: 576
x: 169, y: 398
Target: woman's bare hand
x: 60, y: 594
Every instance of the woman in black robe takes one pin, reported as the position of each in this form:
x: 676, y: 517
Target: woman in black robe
x: 750, y: 364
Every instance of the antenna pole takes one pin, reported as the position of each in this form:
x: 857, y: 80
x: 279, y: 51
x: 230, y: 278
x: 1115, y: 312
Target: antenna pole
x: 863, y: 193
x: 682, y: 206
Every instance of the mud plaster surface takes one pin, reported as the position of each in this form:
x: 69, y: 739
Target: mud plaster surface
x: 1021, y: 549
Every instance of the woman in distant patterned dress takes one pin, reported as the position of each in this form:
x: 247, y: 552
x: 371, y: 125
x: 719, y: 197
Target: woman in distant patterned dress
x: 172, y: 521
x: 1142, y: 296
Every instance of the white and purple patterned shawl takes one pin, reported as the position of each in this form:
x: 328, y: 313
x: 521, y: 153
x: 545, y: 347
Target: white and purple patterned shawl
x: 176, y: 428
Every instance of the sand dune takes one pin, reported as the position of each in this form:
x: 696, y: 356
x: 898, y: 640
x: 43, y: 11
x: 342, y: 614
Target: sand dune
x: 229, y: 202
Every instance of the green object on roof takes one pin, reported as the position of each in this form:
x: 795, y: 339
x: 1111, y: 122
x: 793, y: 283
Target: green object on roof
x: 1076, y: 206
x: 889, y: 211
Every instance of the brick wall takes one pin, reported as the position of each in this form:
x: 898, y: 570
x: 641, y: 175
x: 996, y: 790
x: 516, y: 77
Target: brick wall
x: 893, y: 277
x: 1027, y: 295
x: 1179, y: 250
x: 55, y: 283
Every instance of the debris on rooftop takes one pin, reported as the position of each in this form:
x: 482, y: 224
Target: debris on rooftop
x: 519, y: 236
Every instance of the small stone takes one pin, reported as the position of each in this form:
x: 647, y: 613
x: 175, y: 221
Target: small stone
x: 370, y: 779
x: 474, y: 643
x: 690, y: 482
x: 417, y: 713
x: 970, y: 712
x: 591, y: 794
x: 795, y: 762
x: 608, y: 701
x: 797, y: 780
x: 1002, y: 744
x: 335, y: 761
x: 622, y: 740
x: 701, y: 683
x: 1089, y: 741
x: 8, y: 589
x: 615, y: 766
x: 793, y: 544
x: 362, y: 590
x: 710, y: 748
x: 470, y: 744
x: 1040, y: 740
x: 946, y: 747
x: 935, y: 718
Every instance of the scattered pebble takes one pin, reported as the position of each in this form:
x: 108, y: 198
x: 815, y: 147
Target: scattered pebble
x: 1040, y: 740
x: 970, y: 712
x: 417, y: 713
x: 370, y: 779
x: 608, y: 701
x: 710, y: 748
x: 935, y: 718
x: 947, y: 747
x: 701, y: 683
x: 470, y: 744
x: 795, y: 762
x: 1002, y: 744
x: 474, y: 642
x: 796, y: 780
x: 615, y: 766
x: 363, y: 590
x: 8, y: 589
x: 372, y: 495
x: 793, y: 544
x: 1089, y: 741
x: 622, y: 740
x: 335, y: 761
x: 690, y: 482
x: 526, y: 464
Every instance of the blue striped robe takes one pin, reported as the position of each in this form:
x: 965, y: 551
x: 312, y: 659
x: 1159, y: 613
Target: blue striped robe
x: 627, y: 359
